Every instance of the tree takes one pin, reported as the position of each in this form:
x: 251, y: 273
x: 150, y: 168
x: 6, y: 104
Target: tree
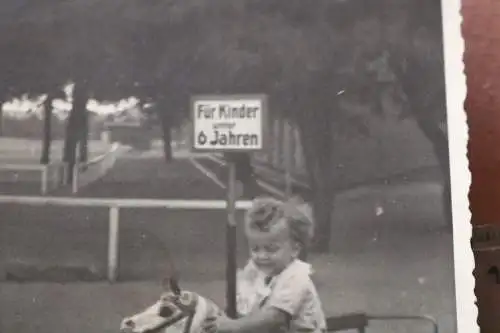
x: 47, y: 126
x: 25, y: 51
x: 304, y: 64
x: 50, y: 43
x: 308, y: 59
x: 302, y: 56
x: 429, y: 104
x: 295, y: 59
x: 342, y: 64
x: 167, y: 122
x: 87, y: 52
x: 415, y: 55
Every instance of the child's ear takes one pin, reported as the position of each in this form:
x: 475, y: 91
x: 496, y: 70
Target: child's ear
x: 174, y: 286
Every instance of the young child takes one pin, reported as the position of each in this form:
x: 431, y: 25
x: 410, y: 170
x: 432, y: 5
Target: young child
x: 275, y: 291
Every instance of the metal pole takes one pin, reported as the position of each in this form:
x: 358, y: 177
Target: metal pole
x: 432, y: 321
x: 113, y: 241
x: 231, y: 243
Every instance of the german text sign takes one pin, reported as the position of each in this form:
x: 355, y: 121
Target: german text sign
x: 228, y: 123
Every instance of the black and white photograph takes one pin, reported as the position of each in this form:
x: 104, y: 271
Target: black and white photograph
x: 233, y: 167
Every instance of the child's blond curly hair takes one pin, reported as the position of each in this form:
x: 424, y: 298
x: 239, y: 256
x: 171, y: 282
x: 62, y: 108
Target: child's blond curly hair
x: 267, y: 212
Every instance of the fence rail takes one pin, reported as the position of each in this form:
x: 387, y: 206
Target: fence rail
x: 51, y: 175
x: 114, y: 206
x: 96, y: 168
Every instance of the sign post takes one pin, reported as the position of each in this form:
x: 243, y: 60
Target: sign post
x: 231, y: 124
x: 231, y: 246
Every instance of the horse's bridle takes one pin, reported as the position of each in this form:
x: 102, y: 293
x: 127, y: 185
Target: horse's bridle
x: 171, y: 321
x: 182, y: 303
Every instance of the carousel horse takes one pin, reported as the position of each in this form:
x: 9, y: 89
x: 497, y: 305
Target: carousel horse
x: 177, y: 311
x: 180, y: 311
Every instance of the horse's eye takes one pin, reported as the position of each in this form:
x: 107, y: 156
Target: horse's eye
x: 166, y: 311
x: 186, y: 299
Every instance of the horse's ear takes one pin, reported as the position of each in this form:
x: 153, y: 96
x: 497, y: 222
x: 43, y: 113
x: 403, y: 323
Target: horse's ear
x: 173, y: 284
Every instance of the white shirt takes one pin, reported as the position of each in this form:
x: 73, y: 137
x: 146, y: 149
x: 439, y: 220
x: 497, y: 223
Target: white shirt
x: 292, y: 291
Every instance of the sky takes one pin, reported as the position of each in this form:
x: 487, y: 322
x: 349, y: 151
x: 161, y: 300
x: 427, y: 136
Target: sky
x: 23, y: 104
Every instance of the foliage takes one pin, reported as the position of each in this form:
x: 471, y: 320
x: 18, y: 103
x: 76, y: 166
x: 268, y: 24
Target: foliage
x: 324, y: 67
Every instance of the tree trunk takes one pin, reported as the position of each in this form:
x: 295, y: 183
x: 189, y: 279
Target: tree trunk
x: 70, y: 141
x: 167, y: 137
x: 1, y: 118
x: 292, y: 144
x: 439, y: 141
x: 47, y: 129
x: 84, y: 139
x: 429, y: 110
x: 317, y: 143
x: 74, y: 127
x: 2, y: 114
x: 277, y: 143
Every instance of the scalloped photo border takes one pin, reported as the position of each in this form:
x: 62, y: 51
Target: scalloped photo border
x: 466, y: 310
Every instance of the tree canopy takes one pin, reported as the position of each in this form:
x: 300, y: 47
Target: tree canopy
x: 313, y: 61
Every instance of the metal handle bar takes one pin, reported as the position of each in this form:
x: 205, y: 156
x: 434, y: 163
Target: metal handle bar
x: 360, y: 321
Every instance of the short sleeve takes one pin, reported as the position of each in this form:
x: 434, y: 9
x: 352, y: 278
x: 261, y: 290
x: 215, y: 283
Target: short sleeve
x: 289, y: 294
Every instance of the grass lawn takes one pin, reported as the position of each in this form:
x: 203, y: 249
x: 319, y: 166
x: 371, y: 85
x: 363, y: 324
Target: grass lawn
x: 13, y: 149
x: 397, y: 262
x: 152, y: 178
x: 146, y: 235
x: 27, y: 152
x: 406, y: 282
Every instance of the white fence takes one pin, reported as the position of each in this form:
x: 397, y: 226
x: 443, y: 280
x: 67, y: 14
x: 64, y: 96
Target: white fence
x: 114, y: 206
x: 50, y: 176
x: 53, y: 175
x: 96, y: 168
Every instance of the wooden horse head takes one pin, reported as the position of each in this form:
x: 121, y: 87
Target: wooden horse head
x: 177, y: 311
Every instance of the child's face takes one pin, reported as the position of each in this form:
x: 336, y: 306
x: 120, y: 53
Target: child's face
x: 273, y: 250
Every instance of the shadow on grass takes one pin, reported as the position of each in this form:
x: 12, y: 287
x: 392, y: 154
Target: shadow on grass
x: 153, y: 178
x: 65, y: 244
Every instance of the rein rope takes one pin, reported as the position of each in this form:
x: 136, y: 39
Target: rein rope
x: 181, y: 302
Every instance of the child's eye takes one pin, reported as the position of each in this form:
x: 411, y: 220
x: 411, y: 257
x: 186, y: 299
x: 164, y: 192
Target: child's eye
x: 272, y: 248
x: 254, y: 249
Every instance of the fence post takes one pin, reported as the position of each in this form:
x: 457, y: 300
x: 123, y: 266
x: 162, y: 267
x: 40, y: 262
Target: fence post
x: 74, y: 181
x: 76, y: 167
x: 114, y: 231
x: 44, y: 179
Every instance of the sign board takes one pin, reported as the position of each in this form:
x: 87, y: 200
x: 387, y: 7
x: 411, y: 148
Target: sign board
x: 234, y: 123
